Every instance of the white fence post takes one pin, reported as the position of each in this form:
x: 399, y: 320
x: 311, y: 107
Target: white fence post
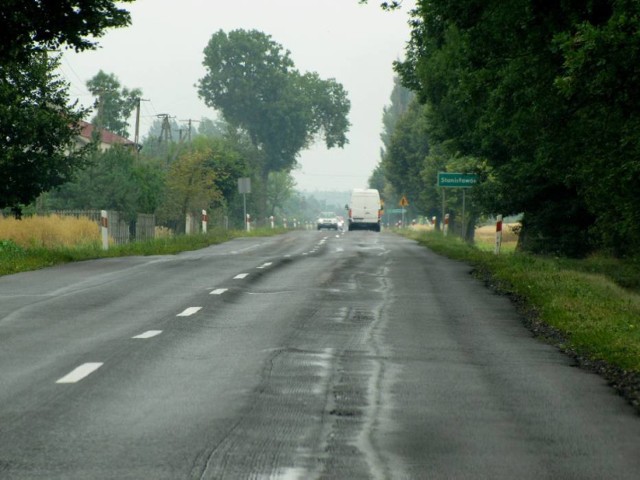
x: 498, y: 235
x: 104, y: 227
x: 205, y: 219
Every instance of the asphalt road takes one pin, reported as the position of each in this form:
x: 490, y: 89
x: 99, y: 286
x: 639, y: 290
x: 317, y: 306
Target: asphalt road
x: 310, y: 355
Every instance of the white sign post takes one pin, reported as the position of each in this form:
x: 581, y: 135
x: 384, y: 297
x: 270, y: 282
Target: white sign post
x: 244, y: 187
x: 205, y: 220
x: 104, y: 227
x: 498, y: 235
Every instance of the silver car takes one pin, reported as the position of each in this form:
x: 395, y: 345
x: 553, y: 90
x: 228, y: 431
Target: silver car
x: 328, y: 220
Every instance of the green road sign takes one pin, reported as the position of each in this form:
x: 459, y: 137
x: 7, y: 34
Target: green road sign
x: 396, y: 210
x: 457, y: 180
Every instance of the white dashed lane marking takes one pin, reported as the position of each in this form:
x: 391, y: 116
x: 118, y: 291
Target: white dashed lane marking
x: 80, y: 372
x: 240, y: 276
x: 189, y: 311
x: 218, y: 291
x: 265, y: 265
x: 149, y: 334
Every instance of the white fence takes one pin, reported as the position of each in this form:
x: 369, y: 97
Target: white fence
x: 120, y: 230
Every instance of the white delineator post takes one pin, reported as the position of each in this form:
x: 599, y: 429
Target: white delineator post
x: 498, y: 235
x: 248, y: 222
x: 205, y: 220
x: 272, y: 220
x: 104, y: 227
x: 446, y: 224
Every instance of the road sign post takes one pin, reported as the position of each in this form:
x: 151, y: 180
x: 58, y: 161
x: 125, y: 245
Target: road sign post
x: 403, y: 203
x: 244, y: 187
x: 456, y: 180
x: 496, y: 250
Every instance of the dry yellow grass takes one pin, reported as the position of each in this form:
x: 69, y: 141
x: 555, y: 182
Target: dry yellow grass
x: 486, y: 235
x: 50, y: 232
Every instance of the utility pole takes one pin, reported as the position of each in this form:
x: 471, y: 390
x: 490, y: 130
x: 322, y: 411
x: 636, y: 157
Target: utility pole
x: 189, y: 120
x: 136, y: 138
x: 165, y: 133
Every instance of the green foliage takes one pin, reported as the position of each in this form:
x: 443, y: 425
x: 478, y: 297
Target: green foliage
x: 547, y: 94
x: 252, y: 80
x: 212, y: 128
x: 404, y: 158
x: 190, y: 186
x: 37, y: 131
x: 401, y: 98
x: 280, y: 188
x: 30, y: 26
x: 114, y: 104
x: 9, y: 249
x: 37, y: 124
x: 113, y: 180
x: 598, y: 319
x: 36, y: 258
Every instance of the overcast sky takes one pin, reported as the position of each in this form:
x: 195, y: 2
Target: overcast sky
x: 161, y: 53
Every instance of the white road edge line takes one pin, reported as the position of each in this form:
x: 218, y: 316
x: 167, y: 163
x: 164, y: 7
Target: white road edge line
x: 189, y: 311
x: 149, y: 334
x: 218, y: 291
x: 80, y: 372
x: 240, y: 276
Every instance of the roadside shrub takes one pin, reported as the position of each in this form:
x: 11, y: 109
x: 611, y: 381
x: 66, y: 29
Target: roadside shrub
x: 9, y: 249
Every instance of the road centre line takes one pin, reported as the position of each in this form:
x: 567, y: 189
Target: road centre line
x: 218, y: 291
x: 189, y: 311
x: 80, y: 372
x: 240, y: 276
x: 148, y: 334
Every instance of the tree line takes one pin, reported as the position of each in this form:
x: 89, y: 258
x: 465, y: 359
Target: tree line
x: 541, y: 101
x: 268, y: 113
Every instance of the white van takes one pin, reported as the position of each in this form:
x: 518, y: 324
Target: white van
x: 365, y: 209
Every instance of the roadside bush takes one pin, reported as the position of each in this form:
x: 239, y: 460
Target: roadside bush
x: 9, y: 249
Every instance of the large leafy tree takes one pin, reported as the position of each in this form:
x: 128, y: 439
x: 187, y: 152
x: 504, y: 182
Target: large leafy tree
x: 547, y: 94
x: 114, y: 103
x: 404, y: 158
x: 36, y: 131
x: 114, y: 180
x: 252, y: 80
x: 190, y: 185
x: 37, y: 121
x: 29, y: 26
x: 279, y: 190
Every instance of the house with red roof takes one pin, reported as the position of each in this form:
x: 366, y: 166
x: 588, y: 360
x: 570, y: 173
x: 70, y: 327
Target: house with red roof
x: 106, y: 138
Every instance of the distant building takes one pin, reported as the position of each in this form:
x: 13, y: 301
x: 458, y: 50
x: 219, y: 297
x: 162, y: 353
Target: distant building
x: 107, y: 139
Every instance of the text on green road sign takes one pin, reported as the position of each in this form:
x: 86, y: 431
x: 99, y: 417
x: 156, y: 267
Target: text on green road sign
x: 457, y: 180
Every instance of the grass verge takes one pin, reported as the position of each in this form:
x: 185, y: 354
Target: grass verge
x: 15, y: 258
x: 588, y: 308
